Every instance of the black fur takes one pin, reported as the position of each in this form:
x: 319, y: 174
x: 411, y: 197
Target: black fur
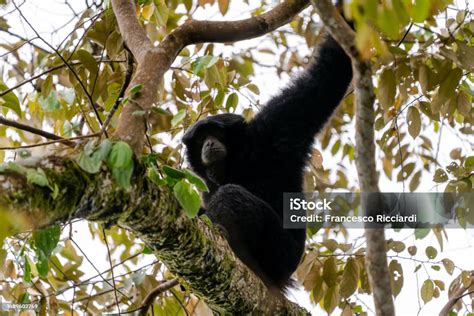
x: 266, y: 157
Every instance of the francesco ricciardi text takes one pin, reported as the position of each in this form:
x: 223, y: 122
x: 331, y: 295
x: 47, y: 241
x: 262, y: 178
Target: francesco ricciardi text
x: 327, y: 218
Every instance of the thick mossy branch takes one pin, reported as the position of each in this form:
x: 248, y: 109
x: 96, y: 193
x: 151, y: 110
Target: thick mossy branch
x: 190, y: 248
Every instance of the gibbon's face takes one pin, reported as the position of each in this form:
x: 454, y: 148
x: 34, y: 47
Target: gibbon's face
x: 207, y: 140
x: 212, y: 150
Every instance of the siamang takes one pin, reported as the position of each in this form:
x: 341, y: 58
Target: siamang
x: 248, y: 165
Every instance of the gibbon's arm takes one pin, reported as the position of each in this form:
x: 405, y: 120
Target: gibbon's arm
x: 291, y: 119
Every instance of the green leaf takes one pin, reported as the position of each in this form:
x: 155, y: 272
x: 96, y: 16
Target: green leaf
x: 88, y: 163
x: 153, y: 174
x: 431, y: 252
x: 396, y: 276
x: 420, y: 11
x: 10, y: 100
x: 87, y: 60
x: 201, y: 63
x: 448, y: 265
x: 196, y: 180
x: 440, y: 176
x: 387, y: 88
x: 120, y: 161
x: 253, y: 88
x: 44, y: 242
x: 232, y: 101
x: 37, y: 177
x: 51, y: 103
x: 178, y: 117
x: 123, y: 175
x: 27, y: 269
x: 121, y: 155
x: 350, y: 278
x: 187, y: 197
x: 136, y: 89
x: 427, y: 290
x: 174, y: 173
x: 413, y: 121
x: 91, y: 162
x: 330, y: 271
x: 161, y: 12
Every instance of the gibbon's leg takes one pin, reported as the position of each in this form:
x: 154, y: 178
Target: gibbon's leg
x: 255, y: 233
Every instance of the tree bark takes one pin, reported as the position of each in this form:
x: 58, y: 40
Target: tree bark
x: 190, y: 248
x: 376, y: 257
x: 153, y: 62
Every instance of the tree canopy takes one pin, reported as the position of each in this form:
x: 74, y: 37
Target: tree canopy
x: 98, y: 209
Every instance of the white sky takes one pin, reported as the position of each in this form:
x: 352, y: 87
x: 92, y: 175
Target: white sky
x: 47, y: 15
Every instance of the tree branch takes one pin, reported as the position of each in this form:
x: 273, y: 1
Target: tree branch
x: 165, y: 286
x: 154, y: 62
x: 455, y: 297
x: 376, y: 259
x: 36, y: 131
x: 190, y: 248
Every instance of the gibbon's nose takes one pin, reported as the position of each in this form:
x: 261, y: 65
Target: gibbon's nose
x: 209, y: 143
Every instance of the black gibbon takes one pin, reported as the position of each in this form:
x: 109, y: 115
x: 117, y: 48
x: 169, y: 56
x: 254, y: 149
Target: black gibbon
x: 248, y: 165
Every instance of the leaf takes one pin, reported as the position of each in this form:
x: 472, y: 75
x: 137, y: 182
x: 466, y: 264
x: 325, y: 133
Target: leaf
x: 253, y: 88
x: 174, y: 173
x: 37, y: 177
x: 413, y: 121
x: 161, y: 12
x: 136, y: 89
x: 113, y: 44
x: 331, y: 298
x: 447, y: 87
x: 178, y: 117
x: 201, y: 63
x: 87, y: 60
x: 440, y: 176
x: 187, y: 197
x: 464, y: 104
x: 120, y: 161
x: 44, y: 242
x: 196, y: 180
x: 431, y: 252
x: 91, y: 162
x: 51, y: 103
x: 396, y: 276
x: 330, y: 271
x: 87, y: 163
x: 223, y: 6
x: 448, y: 265
x: 232, y: 101
x: 121, y: 155
x: 420, y: 11
x: 427, y: 290
x: 153, y: 174
x: 10, y: 100
x: 412, y: 250
x: 465, y: 55
x: 350, y: 278
x: 387, y: 88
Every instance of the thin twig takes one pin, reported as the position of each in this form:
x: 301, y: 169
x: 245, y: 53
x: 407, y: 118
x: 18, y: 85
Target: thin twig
x: 56, y: 51
x: 126, y: 82
x: 51, y: 142
x: 35, y: 131
x: 153, y: 294
x: 26, y: 40
x: 111, y: 270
